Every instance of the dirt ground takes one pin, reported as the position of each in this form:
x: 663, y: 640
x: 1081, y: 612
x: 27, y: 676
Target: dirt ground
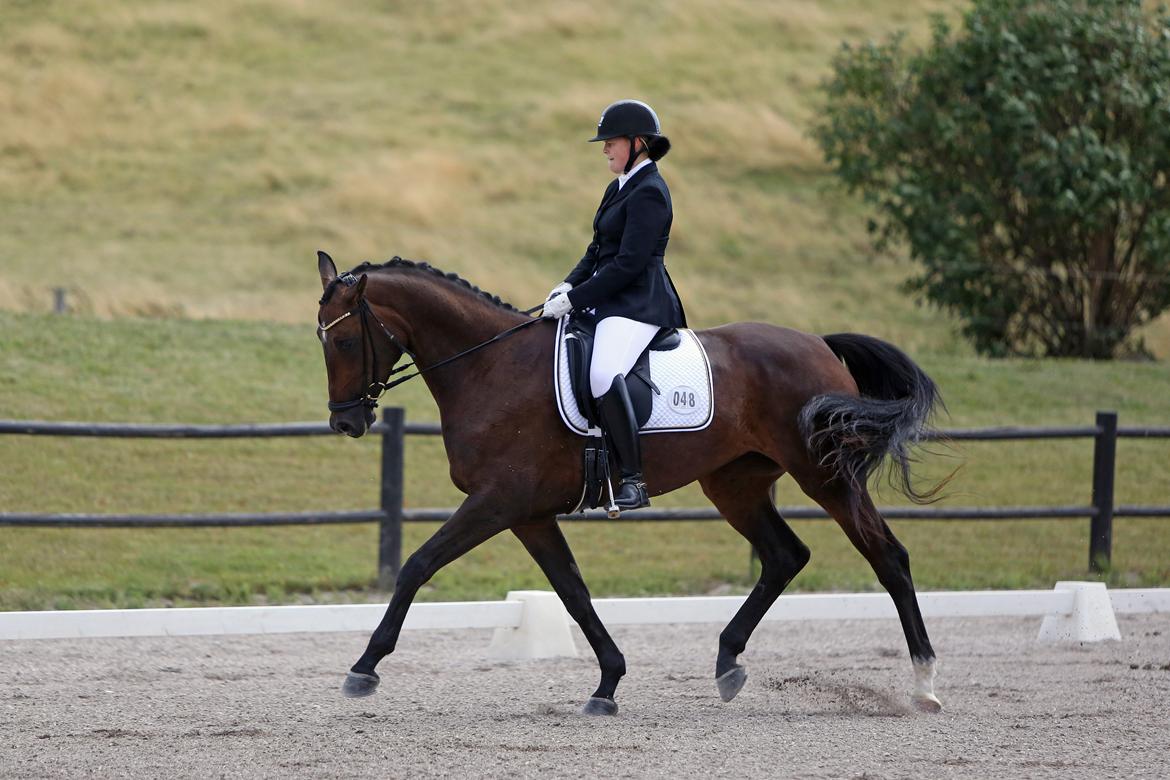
x: 824, y: 700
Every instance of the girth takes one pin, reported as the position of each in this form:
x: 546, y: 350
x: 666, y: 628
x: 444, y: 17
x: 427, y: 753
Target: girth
x: 579, y: 338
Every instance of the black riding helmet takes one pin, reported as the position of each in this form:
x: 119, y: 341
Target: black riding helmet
x: 631, y: 119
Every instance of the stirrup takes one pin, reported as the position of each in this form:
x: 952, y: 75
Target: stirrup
x: 612, y: 510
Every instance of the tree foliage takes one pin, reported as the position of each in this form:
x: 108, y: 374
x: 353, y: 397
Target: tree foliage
x: 1023, y: 159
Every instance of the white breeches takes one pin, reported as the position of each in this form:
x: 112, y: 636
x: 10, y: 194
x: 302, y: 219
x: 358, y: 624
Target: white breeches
x: 616, y: 347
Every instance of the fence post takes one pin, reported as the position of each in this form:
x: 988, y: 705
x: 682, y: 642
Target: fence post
x: 390, y: 527
x: 1104, y: 460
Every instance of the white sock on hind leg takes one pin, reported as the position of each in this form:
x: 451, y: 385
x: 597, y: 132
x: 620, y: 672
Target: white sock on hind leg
x: 924, y: 685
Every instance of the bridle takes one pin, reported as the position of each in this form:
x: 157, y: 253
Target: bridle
x: 376, y: 388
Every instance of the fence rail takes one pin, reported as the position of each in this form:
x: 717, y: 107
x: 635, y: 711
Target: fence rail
x: 162, y: 431
x: 390, y: 515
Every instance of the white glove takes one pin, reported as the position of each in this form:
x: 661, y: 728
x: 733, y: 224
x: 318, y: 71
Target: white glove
x: 561, y: 288
x: 557, y: 307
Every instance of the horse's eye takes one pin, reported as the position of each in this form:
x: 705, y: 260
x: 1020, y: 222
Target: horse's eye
x: 346, y: 344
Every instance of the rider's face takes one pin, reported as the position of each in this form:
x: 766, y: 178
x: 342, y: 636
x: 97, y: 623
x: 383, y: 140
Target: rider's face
x: 617, y: 151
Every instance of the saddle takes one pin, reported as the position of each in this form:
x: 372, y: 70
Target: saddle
x: 579, y: 336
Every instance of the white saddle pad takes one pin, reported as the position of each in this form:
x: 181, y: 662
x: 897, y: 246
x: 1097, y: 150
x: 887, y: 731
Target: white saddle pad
x: 683, y: 375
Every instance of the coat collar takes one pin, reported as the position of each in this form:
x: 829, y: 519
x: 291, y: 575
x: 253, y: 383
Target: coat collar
x: 613, y: 195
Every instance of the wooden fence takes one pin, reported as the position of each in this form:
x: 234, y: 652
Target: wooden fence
x: 391, y: 513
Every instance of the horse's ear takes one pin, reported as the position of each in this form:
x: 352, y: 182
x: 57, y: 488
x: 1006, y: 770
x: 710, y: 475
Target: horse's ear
x: 361, y: 287
x: 326, y: 267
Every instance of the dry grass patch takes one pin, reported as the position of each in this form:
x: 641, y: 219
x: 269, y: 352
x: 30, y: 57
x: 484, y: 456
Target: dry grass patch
x: 409, y: 188
x: 560, y: 19
x: 48, y: 107
x: 744, y: 135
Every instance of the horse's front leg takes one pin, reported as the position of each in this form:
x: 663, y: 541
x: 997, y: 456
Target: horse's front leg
x: 476, y: 520
x: 548, y: 547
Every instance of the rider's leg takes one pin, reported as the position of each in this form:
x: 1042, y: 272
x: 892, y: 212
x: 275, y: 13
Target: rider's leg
x: 617, y: 345
x: 617, y: 419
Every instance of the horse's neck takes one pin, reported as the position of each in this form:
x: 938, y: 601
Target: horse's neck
x: 444, y: 320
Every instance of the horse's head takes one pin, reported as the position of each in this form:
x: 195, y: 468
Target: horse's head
x: 358, y: 356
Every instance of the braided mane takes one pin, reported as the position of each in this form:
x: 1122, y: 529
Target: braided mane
x: 398, y: 262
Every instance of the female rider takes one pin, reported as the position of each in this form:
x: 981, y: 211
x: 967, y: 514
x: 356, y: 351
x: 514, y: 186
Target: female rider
x: 622, y: 278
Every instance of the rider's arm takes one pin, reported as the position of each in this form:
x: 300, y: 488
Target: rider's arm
x: 584, y: 268
x: 647, y: 217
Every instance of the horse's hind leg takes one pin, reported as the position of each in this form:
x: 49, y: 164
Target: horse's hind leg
x: 740, y: 491
x: 547, y: 545
x: 872, y: 537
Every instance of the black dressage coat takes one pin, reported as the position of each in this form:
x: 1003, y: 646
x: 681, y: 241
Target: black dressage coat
x: 622, y: 273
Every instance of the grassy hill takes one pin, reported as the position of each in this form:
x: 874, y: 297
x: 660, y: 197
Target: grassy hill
x: 182, y: 159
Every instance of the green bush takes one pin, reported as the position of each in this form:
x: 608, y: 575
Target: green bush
x: 1024, y: 162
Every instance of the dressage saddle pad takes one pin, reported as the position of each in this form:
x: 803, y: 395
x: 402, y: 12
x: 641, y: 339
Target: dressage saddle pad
x: 677, y: 382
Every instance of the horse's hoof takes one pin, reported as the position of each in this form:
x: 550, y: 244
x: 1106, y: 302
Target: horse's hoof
x: 357, y: 685
x: 927, y: 702
x: 730, y: 682
x: 599, y: 706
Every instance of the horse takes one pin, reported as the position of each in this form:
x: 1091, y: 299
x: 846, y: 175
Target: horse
x: 826, y: 410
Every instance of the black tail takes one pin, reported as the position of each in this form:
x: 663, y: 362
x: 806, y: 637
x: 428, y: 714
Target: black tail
x: 853, y: 435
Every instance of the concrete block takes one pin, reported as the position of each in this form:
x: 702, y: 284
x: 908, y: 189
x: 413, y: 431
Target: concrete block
x: 1091, y: 619
x: 544, y: 630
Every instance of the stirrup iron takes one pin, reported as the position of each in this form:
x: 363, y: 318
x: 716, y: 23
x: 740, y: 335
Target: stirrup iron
x: 612, y: 511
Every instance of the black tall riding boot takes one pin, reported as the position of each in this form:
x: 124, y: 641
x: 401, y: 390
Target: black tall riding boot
x: 617, y: 418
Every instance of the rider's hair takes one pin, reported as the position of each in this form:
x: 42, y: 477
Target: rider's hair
x: 657, y: 147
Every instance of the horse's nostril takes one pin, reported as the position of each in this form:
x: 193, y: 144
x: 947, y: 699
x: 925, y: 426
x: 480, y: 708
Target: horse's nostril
x: 344, y: 427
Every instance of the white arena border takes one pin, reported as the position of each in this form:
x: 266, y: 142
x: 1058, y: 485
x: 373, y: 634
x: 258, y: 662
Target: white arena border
x: 533, y: 624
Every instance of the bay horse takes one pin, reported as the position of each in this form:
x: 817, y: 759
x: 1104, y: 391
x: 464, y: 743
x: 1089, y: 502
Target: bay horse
x: 826, y: 410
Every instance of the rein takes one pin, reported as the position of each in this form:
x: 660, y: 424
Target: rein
x: 370, y: 399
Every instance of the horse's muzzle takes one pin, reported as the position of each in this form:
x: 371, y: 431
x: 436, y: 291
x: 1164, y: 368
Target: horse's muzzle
x: 352, y: 422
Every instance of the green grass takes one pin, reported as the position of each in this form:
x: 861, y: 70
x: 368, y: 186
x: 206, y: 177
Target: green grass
x: 91, y: 568
x: 74, y: 368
